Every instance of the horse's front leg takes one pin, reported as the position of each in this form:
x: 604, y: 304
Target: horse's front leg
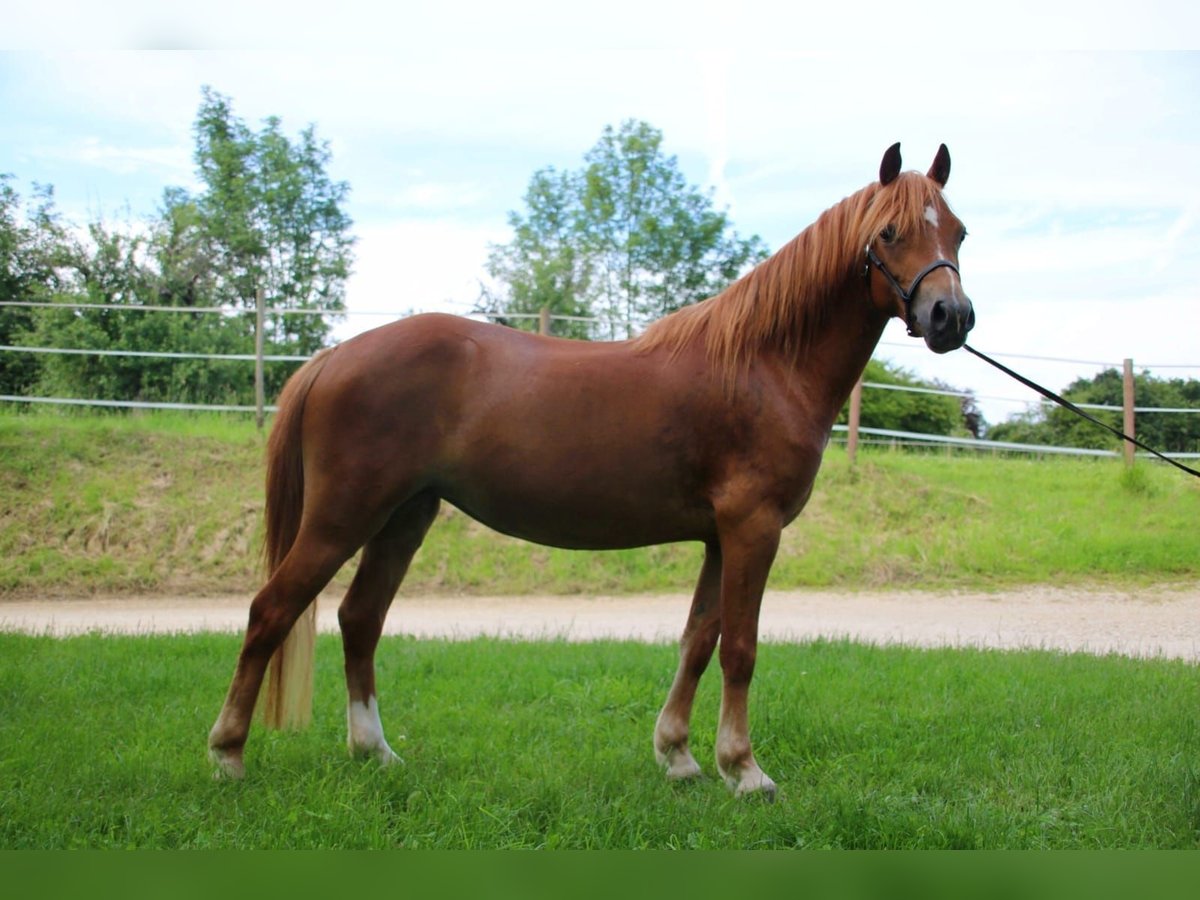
x: 695, y: 650
x: 748, y: 546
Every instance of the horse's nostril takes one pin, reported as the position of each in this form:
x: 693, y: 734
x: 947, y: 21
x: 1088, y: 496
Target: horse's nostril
x: 970, y: 317
x: 938, y: 315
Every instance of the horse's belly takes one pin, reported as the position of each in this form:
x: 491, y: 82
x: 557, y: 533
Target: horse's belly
x: 583, y: 512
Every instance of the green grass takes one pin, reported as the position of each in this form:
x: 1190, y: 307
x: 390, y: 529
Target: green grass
x: 548, y: 745
x: 169, y: 502
x: 133, y: 503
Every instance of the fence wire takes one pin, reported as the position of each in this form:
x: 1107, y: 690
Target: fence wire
x: 890, y: 437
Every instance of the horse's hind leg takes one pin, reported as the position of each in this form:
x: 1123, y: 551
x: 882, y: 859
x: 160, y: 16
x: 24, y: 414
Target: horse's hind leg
x: 306, y: 569
x: 385, y: 561
x: 695, y: 650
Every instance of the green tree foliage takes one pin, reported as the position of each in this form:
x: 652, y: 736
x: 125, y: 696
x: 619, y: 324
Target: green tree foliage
x: 268, y: 218
x: 36, y: 252
x: 545, y: 265
x: 625, y: 239
x: 271, y: 219
x: 913, y: 411
x: 119, y: 270
x: 658, y: 242
x: 179, y: 243
x: 1169, y: 432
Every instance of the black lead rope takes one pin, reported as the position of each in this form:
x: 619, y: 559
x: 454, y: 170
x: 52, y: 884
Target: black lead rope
x: 1067, y: 404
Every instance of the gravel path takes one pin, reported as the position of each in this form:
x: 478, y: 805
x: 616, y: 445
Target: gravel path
x: 1157, y: 621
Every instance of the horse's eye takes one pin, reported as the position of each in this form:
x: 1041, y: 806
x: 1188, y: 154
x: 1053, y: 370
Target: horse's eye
x: 888, y: 234
x: 962, y: 237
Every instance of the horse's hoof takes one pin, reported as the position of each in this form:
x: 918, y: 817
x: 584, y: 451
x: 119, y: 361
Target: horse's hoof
x: 678, y: 763
x: 752, y: 782
x: 387, y: 757
x: 765, y: 789
x: 228, y: 765
x: 381, y: 753
x: 683, y: 768
x: 684, y: 773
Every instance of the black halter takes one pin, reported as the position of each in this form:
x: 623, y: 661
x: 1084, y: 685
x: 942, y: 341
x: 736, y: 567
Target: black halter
x: 907, y: 296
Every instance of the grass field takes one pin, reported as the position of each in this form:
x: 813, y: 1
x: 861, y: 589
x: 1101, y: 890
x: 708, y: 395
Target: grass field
x: 548, y: 745
x: 154, y: 503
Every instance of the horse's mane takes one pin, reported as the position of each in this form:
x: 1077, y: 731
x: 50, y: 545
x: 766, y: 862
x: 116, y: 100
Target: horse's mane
x: 780, y: 303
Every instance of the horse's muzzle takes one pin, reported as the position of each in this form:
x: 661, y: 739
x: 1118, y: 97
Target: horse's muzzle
x: 945, y: 321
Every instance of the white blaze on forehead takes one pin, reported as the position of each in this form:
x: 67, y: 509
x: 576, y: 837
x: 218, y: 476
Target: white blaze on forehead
x: 931, y: 216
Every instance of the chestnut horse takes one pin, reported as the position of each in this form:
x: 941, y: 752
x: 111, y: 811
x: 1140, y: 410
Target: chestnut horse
x: 707, y: 427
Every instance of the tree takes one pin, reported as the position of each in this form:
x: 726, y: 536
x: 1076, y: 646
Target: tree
x: 118, y: 270
x: 625, y: 239
x: 658, y: 243
x: 1168, y: 432
x: 17, y: 371
x: 36, y: 253
x: 269, y: 218
x: 913, y: 411
x: 272, y: 220
x: 544, y: 266
x: 187, y: 274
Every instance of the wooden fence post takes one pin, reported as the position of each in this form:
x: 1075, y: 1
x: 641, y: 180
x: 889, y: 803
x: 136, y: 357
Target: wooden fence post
x: 852, y: 424
x: 259, y: 316
x: 544, y: 320
x: 1129, y: 418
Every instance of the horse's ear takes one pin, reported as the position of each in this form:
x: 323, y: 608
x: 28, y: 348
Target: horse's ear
x: 940, y: 170
x: 890, y: 167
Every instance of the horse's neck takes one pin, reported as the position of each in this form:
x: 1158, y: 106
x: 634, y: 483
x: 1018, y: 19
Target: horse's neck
x: 840, y: 350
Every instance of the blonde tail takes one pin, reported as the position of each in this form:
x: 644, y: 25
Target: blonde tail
x: 288, y: 702
x: 289, y: 690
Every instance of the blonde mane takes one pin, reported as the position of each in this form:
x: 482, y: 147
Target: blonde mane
x: 780, y: 303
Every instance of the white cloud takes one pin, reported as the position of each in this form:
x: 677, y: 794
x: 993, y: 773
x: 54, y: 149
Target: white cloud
x: 438, y: 197
x: 421, y: 265
x: 172, y: 163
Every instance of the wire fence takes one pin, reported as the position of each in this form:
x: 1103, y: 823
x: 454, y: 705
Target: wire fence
x: 852, y: 433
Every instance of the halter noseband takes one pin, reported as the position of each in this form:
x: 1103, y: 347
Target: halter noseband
x: 907, y: 296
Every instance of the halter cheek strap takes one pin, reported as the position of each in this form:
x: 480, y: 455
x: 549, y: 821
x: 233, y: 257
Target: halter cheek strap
x: 907, y: 296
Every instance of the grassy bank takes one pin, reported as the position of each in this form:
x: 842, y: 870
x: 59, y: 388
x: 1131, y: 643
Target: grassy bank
x: 173, y: 503
x: 548, y: 745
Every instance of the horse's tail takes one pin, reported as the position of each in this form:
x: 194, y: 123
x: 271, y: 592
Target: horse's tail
x: 288, y: 701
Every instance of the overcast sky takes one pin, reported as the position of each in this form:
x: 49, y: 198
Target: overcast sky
x: 1076, y: 161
